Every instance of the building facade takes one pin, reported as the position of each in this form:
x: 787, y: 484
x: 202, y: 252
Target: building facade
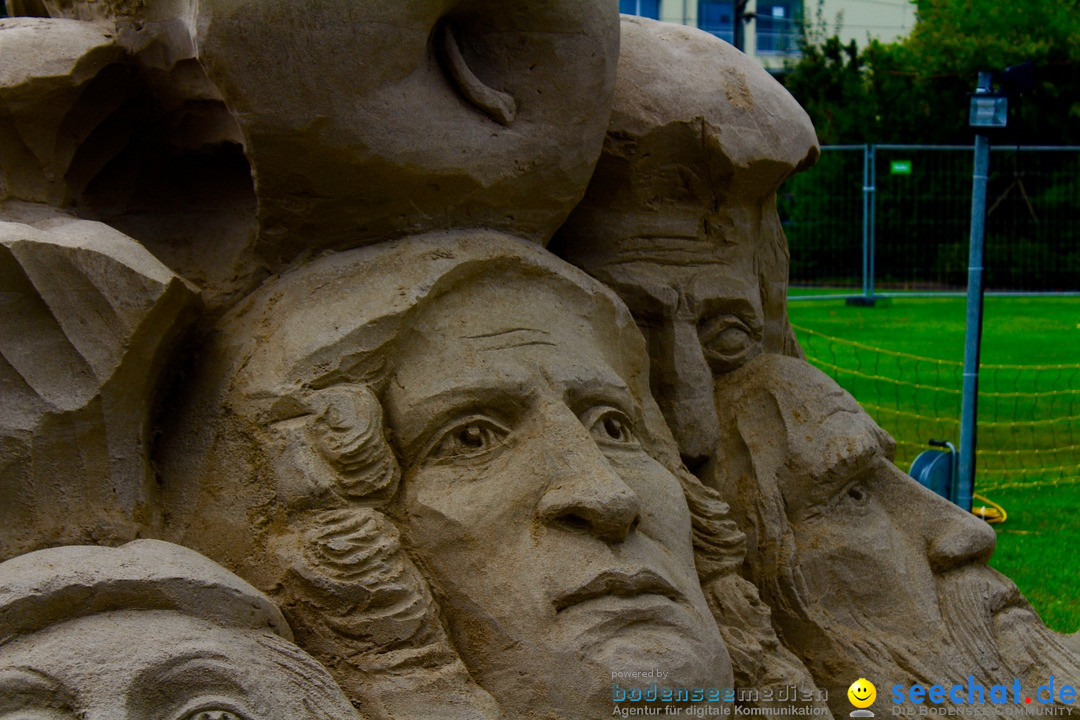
x: 865, y: 20
x: 771, y: 28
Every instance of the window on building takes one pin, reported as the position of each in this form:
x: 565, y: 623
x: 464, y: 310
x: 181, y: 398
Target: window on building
x: 777, y: 29
x: 644, y: 8
x: 717, y: 17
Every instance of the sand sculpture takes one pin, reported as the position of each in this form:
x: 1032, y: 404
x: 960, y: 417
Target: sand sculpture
x: 680, y: 219
x: 528, y: 427
x: 276, y: 289
x: 149, y: 629
x: 837, y: 533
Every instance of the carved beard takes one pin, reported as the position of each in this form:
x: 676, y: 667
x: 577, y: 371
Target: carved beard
x: 992, y: 646
x: 982, y: 643
x: 969, y: 599
x: 998, y: 630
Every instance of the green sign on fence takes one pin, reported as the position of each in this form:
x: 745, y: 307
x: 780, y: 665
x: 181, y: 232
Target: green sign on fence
x: 900, y: 167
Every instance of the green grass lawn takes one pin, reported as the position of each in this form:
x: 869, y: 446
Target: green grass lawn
x: 1029, y: 453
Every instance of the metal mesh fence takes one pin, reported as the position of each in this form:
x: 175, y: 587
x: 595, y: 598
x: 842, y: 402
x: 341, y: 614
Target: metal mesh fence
x: 1029, y: 415
x: 897, y: 217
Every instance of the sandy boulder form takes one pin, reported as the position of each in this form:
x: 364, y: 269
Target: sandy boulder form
x: 366, y: 122
x: 48, y: 65
x: 88, y: 320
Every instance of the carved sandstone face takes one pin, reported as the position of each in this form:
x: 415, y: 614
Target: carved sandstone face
x: 369, y: 120
x: 535, y: 495
x: 857, y: 517
x: 868, y: 571
x: 560, y: 547
x: 693, y: 292
x: 132, y: 665
x: 680, y: 217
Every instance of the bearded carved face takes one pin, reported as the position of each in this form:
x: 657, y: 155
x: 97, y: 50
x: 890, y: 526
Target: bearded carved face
x: 869, y: 573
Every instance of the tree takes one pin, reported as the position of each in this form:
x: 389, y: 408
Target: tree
x: 915, y: 90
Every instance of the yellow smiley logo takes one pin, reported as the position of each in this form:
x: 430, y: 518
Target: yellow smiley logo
x: 862, y: 693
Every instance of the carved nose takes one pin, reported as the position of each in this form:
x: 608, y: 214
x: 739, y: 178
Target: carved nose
x: 592, y: 500
x: 955, y: 537
x: 683, y: 382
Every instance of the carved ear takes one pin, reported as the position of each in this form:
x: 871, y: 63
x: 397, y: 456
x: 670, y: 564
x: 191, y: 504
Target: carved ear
x: 88, y: 319
x: 347, y: 430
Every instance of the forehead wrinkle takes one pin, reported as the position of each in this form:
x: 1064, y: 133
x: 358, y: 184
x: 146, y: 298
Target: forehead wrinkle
x: 523, y: 343
x: 509, y: 338
x: 664, y: 250
x: 499, y: 333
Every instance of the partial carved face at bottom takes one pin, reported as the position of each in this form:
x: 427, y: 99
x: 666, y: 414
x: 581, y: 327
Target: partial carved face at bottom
x: 560, y: 547
x: 162, y: 665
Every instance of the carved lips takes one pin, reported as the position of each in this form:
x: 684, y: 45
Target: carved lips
x: 615, y: 583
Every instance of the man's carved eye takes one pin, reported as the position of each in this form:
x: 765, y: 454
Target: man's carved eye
x: 855, y: 496
x: 609, y: 426
x: 727, y: 342
x: 470, y: 438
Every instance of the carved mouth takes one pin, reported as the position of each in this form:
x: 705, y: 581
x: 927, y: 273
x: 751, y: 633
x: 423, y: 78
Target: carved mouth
x: 497, y: 105
x: 619, y: 584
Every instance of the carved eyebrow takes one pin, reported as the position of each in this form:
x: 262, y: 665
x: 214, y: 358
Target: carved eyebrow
x: 21, y: 688
x: 733, y: 304
x: 199, y: 678
x: 193, y: 673
x: 193, y: 658
x: 598, y: 388
x: 848, y: 468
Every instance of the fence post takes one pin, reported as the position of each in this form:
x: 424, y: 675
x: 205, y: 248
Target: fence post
x: 964, y: 485
x: 868, y: 189
x: 872, y: 221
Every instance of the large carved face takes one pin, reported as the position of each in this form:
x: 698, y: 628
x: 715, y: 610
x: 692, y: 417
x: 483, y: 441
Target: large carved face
x: 164, y: 665
x: 869, y: 573
x: 680, y: 217
x: 531, y: 499
x: 698, y: 302
x: 536, y: 492
x: 369, y: 120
